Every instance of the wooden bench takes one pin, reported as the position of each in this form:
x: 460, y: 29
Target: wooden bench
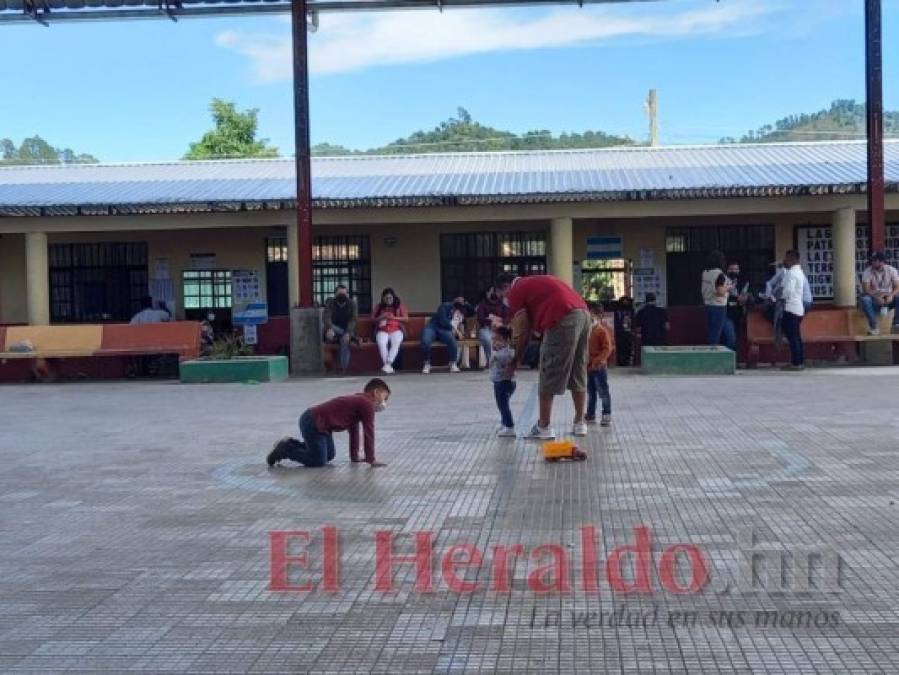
x: 365, y: 357
x: 838, y: 327
x: 93, y: 340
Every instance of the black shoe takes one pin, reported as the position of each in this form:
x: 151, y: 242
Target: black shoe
x: 277, y: 453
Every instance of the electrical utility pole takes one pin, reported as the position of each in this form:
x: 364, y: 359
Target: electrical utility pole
x: 652, y: 109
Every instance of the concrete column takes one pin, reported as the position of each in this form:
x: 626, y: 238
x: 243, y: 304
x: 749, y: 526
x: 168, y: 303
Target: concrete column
x: 293, y: 267
x: 561, y: 252
x: 307, y: 356
x: 37, y: 278
x: 843, y: 232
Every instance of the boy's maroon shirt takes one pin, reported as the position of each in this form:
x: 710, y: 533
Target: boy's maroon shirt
x: 345, y: 413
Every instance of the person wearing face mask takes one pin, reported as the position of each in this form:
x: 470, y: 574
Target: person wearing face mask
x: 442, y: 327
x: 344, y: 413
x: 340, y: 324
x: 492, y: 313
x: 600, y: 349
x: 390, y: 317
x: 739, y: 299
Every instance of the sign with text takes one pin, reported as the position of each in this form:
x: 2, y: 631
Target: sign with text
x: 815, y: 246
x: 247, y: 304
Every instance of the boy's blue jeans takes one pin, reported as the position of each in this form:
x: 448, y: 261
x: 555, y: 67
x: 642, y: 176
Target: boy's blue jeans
x: 319, y: 446
x: 871, y: 308
x: 429, y: 334
x: 503, y: 391
x: 598, y: 387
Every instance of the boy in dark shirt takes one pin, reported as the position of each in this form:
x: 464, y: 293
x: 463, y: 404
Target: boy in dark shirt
x: 652, y: 323
x: 344, y: 413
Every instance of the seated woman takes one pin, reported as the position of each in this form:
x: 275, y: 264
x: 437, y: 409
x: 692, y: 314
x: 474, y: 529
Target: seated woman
x: 390, y: 317
x: 491, y: 313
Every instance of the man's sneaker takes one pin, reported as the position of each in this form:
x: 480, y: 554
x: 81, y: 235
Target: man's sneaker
x: 541, y: 433
x: 579, y: 429
x: 454, y: 368
x: 506, y: 432
x: 426, y: 369
x: 606, y: 420
x: 388, y: 369
x: 873, y: 331
x: 277, y: 452
x: 590, y: 419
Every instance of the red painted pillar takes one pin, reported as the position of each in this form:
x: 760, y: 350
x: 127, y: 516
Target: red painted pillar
x: 874, y: 124
x: 301, y: 140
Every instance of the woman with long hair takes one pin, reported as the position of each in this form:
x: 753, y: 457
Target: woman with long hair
x: 390, y: 317
x: 715, y: 289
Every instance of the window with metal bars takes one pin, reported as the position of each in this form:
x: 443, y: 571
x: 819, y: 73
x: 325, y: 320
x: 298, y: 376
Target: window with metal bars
x: 206, y: 289
x: 687, y: 248
x: 336, y: 259
x: 470, y: 261
x: 96, y: 282
x: 342, y: 259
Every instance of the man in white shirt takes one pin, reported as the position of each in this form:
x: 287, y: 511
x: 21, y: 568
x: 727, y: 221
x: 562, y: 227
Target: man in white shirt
x: 149, y: 315
x: 794, y: 310
x: 880, y: 286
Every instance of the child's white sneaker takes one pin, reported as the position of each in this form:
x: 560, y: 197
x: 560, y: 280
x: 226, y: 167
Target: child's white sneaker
x: 542, y: 433
x: 506, y: 432
x: 426, y: 369
x: 388, y: 369
x: 454, y: 368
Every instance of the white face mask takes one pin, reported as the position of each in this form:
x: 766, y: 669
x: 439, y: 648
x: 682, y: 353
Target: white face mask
x: 380, y: 406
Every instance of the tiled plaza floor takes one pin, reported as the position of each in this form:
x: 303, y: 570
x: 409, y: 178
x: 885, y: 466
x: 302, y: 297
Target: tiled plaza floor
x: 135, y: 520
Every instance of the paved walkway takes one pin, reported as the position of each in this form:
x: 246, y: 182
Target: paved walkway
x: 135, y: 520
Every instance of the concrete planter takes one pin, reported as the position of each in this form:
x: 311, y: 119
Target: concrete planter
x: 688, y: 361
x: 240, y: 369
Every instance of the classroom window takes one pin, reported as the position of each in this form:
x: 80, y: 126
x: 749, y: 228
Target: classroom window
x: 96, y: 282
x: 605, y: 280
x: 687, y: 248
x: 207, y: 289
x: 342, y: 259
x: 470, y: 261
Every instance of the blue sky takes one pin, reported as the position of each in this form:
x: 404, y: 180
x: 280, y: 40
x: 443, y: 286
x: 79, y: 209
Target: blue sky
x: 140, y: 90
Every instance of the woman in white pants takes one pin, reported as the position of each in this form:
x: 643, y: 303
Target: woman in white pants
x: 390, y: 317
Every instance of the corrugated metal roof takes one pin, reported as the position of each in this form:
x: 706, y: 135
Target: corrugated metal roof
x: 613, y: 174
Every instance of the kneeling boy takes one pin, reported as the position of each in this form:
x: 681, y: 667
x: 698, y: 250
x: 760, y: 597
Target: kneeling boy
x: 344, y: 413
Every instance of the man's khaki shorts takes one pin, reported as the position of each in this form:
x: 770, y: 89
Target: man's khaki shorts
x: 563, y: 354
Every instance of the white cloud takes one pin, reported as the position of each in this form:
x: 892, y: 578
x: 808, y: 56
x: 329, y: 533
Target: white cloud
x: 352, y: 42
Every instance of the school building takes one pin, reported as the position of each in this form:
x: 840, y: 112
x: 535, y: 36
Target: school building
x: 86, y: 243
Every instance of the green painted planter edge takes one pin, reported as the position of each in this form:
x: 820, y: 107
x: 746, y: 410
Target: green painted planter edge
x: 241, y: 369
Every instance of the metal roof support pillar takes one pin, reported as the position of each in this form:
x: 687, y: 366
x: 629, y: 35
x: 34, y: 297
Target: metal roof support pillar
x: 874, y: 95
x: 301, y: 139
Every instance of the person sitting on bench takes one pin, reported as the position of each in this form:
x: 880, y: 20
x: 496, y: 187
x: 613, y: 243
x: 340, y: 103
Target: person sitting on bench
x: 880, y: 285
x: 344, y: 413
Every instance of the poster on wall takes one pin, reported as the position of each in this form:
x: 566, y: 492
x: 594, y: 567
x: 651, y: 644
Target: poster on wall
x: 815, y: 247
x: 647, y: 280
x: 247, y: 304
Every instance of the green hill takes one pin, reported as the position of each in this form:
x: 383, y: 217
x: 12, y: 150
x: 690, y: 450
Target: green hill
x: 845, y: 119
x: 463, y: 134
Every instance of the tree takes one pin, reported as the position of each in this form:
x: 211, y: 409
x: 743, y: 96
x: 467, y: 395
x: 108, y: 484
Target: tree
x: 463, y: 134
x: 35, y: 150
x: 234, y: 135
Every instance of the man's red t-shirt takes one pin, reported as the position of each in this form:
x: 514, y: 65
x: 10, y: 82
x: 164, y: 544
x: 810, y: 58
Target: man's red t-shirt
x: 545, y: 298
x: 346, y: 413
